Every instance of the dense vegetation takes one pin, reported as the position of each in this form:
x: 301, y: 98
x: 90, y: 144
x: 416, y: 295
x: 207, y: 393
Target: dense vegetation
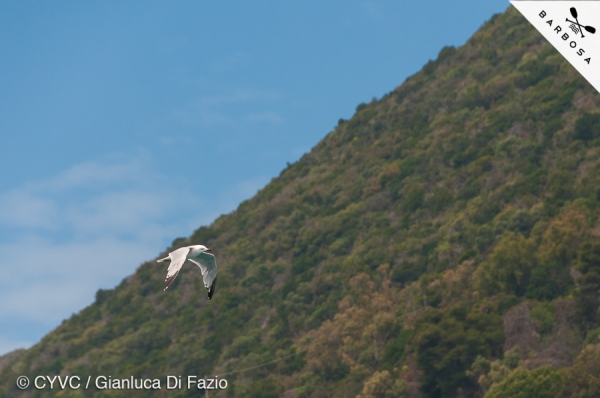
x: 443, y: 242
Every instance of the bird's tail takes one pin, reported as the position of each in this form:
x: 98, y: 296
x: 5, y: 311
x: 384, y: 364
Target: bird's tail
x: 162, y: 260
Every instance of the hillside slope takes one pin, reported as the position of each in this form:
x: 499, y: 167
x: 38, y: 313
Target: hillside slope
x: 440, y: 243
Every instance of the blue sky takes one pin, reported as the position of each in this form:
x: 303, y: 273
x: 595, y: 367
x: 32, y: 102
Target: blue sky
x: 124, y: 125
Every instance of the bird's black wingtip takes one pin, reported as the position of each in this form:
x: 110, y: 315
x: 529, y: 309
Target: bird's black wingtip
x: 211, y: 291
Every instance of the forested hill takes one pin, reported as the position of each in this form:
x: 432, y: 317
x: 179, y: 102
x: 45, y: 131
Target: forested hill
x: 443, y: 242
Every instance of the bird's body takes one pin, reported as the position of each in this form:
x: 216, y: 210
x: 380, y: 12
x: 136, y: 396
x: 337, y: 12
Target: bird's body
x: 199, y: 255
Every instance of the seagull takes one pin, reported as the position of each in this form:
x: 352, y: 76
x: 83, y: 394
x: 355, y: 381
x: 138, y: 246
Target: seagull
x: 201, y: 256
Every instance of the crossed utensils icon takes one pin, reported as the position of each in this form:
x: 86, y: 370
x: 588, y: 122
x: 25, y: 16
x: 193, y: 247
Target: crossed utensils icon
x: 588, y: 28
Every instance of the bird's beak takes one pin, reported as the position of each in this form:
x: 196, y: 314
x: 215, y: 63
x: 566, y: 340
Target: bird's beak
x: 208, y: 250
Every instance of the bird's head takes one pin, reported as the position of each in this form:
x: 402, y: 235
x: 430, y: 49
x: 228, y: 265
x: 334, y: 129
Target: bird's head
x: 202, y: 248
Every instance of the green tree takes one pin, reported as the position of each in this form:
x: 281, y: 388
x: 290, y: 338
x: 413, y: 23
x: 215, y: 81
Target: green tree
x: 489, y: 373
x: 447, y: 343
x: 511, y: 263
x: 588, y: 291
x: 542, y: 382
x: 583, y: 378
x: 587, y: 127
x: 382, y: 385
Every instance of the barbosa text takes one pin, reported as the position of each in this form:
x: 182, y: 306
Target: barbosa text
x: 565, y: 36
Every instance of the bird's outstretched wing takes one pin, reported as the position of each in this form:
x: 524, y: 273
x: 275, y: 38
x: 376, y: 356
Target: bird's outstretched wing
x: 177, y: 259
x: 208, y: 266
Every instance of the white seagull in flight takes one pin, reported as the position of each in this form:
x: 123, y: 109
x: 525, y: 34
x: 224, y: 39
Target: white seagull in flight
x: 201, y: 256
